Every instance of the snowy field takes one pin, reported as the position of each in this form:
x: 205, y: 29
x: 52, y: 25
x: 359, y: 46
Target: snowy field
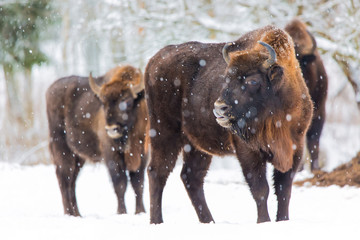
x: 31, y: 208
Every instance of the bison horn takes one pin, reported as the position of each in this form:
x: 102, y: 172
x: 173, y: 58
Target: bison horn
x: 225, y: 52
x: 138, y: 87
x: 94, y: 87
x: 272, y: 52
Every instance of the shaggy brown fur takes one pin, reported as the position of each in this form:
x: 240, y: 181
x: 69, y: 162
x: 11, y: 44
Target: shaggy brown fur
x: 316, y: 79
x: 346, y: 174
x: 262, y: 112
x: 107, y: 126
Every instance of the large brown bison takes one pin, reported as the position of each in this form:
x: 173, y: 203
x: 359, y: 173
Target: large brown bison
x: 316, y: 79
x: 101, y: 119
x: 262, y: 110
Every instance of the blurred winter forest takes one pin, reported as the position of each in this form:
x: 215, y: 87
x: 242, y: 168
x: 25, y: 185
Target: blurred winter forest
x: 42, y: 40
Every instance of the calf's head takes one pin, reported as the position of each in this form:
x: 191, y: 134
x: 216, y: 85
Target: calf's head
x: 118, y: 98
x: 252, y: 80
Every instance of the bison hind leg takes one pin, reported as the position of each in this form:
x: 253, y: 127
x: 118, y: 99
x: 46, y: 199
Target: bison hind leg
x: 195, y: 167
x: 164, y: 152
x: 67, y: 170
x: 313, y: 140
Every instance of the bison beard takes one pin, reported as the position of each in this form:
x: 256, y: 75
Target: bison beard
x: 262, y: 112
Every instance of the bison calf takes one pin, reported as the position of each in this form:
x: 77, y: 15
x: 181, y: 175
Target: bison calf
x: 102, y: 119
x: 316, y: 79
x: 247, y: 99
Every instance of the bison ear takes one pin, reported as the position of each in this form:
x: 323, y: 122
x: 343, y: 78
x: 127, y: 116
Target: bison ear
x: 275, y: 72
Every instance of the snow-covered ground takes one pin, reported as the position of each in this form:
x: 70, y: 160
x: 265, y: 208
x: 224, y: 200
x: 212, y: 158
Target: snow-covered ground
x: 31, y: 208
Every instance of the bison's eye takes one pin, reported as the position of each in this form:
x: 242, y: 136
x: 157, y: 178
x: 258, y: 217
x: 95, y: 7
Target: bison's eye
x: 252, y: 82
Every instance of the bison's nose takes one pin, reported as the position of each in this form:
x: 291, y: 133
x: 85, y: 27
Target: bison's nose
x: 221, y: 112
x: 113, y: 131
x: 220, y: 108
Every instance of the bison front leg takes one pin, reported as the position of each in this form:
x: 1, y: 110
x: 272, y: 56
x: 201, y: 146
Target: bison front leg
x: 137, y: 182
x: 196, y: 165
x: 117, y: 170
x: 283, y: 185
x: 254, y: 170
x: 259, y: 187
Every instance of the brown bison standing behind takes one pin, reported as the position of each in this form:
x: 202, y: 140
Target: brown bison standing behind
x: 316, y: 79
x: 262, y: 112
x: 107, y: 122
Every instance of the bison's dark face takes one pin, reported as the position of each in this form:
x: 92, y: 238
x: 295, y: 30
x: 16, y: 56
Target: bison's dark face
x: 305, y: 54
x: 119, y: 113
x: 307, y: 59
x: 249, y: 93
x: 119, y: 101
x: 304, y: 43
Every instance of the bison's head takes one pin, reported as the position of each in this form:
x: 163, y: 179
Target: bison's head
x: 119, y: 99
x: 304, y: 41
x: 249, y: 95
x: 305, y: 46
